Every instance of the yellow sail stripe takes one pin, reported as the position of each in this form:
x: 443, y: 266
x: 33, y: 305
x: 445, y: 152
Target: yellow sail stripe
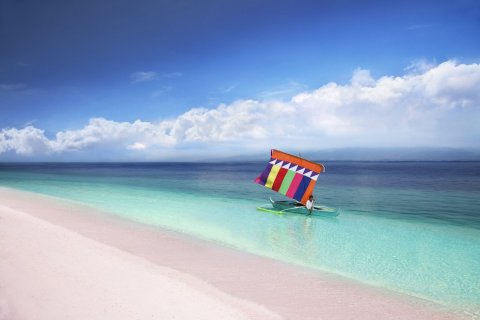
x: 272, y: 176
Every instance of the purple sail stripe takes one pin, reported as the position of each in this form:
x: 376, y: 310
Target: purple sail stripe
x: 262, y: 179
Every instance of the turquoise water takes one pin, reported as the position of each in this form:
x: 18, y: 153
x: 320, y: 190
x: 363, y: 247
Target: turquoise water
x: 413, y: 227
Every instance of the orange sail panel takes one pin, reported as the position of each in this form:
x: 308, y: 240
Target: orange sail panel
x: 290, y: 175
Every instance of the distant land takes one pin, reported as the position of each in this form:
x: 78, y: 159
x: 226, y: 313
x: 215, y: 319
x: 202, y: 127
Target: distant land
x: 398, y: 154
x: 340, y: 154
x: 375, y: 154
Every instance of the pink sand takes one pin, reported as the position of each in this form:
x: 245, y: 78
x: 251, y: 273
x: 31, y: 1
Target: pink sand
x: 60, y: 260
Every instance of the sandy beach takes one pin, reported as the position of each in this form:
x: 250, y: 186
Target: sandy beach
x: 60, y: 260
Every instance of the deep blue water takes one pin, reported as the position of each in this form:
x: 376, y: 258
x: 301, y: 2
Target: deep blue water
x: 413, y: 227
x: 442, y: 192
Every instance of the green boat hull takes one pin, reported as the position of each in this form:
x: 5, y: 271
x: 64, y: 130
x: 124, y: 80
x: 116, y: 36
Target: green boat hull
x: 293, y: 207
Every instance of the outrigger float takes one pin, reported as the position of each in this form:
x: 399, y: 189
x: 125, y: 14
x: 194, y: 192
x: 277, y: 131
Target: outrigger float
x: 295, y: 178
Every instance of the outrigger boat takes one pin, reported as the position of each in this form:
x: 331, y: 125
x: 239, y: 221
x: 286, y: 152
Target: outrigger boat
x: 295, y: 178
x: 289, y: 206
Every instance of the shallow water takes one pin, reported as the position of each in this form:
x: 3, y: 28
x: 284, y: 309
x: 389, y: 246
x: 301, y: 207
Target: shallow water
x: 409, y: 226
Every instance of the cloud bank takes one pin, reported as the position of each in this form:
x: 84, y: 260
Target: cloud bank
x: 438, y: 106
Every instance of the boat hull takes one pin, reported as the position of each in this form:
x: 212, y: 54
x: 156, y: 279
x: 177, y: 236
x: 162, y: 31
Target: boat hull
x: 293, y: 207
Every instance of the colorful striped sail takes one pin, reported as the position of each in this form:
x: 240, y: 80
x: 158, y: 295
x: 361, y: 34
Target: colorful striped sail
x: 291, y: 176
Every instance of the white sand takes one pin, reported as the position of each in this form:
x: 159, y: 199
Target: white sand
x: 64, y: 261
x: 48, y: 272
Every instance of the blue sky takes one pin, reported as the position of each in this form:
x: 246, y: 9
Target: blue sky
x: 76, y: 75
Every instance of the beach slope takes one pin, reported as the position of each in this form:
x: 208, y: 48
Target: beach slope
x: 60, y: 260
x: 49, y: 272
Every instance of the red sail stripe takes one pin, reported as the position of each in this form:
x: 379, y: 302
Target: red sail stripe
x: 279, y: 179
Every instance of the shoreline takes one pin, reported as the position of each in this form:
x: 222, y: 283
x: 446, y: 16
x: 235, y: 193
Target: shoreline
x: 236, y: 284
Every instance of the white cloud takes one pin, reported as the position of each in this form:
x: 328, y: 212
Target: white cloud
x: 137, y: 146
x: 420, y: 66
x: 437, y: 107
x: 230, y: 88
x: 286, y: 90
x: 419, y: 26
x: 23, y: 64
x: 362, y: 77
x: 161, y: 91
x: 26, y: 141
x: 11, y: 86
x: 142, y: 76
x: 172, y: 75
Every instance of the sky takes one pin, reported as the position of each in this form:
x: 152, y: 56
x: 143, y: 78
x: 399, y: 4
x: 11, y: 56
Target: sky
x: 153, y: 80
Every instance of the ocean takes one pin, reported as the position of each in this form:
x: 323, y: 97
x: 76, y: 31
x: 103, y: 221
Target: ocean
x: 412, y: 227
